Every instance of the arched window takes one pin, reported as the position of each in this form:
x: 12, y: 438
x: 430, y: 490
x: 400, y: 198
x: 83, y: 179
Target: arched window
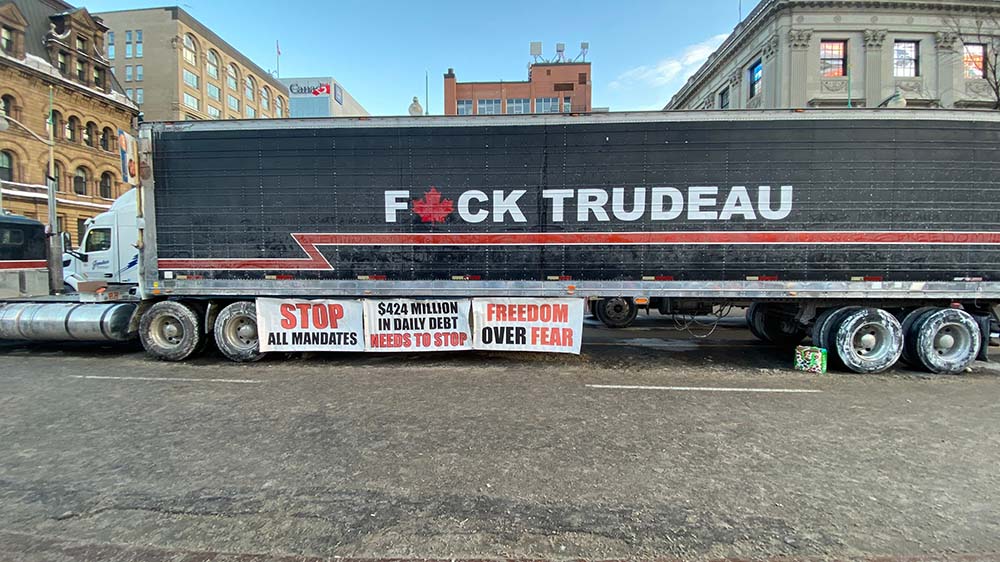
x: 6, y: 166
x: 106, y: 181
x: 90, y: 134
x: 80, y: 180
x: 265, y: 99
x: 57, y: 122
x: 7, y: 105
x: 250, y: 88
x: 212, y: 64
x: 279, y: 107
x: 107, y: 138
x: 232, y: 77
x: 58, y: 174
x: 190, y: 50
x: 72, y: 129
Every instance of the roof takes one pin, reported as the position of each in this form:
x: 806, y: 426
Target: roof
x: 38, y: 14
x: 179, y: 14
x: 18, y: 219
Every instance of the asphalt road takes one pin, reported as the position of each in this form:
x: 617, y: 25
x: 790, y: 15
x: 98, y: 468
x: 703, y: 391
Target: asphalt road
x: 107, y: 455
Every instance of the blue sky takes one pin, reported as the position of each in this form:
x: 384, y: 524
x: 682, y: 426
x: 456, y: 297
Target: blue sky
x: 379, y: 49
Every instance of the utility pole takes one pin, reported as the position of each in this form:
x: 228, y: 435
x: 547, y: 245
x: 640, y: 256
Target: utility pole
x: 55, y: 237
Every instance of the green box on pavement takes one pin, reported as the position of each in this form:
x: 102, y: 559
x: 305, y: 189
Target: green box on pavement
x: 810, y: 359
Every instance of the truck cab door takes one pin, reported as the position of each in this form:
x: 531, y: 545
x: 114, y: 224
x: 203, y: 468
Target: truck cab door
x: 102, y: 258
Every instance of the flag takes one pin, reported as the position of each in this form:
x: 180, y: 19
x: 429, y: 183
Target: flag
x: 277, y: 46
x: 322, y: 89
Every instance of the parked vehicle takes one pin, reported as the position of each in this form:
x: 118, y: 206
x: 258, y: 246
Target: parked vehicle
x: 872, y: 232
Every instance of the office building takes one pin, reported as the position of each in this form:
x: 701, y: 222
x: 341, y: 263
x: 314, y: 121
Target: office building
x: 321, y: 97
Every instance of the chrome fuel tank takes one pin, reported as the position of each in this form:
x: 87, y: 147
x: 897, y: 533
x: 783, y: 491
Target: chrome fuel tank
x: 50, y: 321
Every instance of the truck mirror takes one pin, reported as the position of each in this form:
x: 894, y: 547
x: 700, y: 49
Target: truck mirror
x: 67, y: 242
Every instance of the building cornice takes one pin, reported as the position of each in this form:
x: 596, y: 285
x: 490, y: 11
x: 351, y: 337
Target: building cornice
x: 767, y: 10
x: 112, y: 99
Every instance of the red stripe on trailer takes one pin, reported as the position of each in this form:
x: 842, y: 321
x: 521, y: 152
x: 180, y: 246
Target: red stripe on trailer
x: 315, y: 260
x: 22, y: 264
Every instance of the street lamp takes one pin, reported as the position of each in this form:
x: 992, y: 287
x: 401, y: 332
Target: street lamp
x: 55, y: 240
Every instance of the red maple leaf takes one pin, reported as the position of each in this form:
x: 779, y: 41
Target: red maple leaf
x: 432, y: 208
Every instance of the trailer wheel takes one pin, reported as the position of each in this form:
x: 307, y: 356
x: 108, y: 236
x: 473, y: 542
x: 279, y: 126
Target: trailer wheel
x: 825, y: 324
x: 236, y: 332
x: 910, y: 335
x: 947, y: 340
x: 754, y: 322
x: 773, y: 324
x: 616, y: 312
x: 169, y: 330
x: 868, y: 340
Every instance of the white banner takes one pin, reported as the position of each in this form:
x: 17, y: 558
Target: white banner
x: 417, y: 325
x: 310, y: 325
x: 519, y: 324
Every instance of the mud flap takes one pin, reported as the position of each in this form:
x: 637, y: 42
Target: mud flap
x: 984, y: 338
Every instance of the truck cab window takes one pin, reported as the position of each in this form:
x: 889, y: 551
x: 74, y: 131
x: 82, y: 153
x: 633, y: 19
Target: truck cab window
x: 98, y: 240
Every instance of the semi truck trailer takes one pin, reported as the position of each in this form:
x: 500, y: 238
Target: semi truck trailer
x: 871, y: 232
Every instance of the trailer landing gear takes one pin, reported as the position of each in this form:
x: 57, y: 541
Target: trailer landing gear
x: 774, y: 324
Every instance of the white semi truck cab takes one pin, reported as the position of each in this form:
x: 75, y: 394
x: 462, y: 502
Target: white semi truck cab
x: 108, y: 251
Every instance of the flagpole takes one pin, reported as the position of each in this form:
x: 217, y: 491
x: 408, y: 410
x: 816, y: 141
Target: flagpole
x: 277, y: 57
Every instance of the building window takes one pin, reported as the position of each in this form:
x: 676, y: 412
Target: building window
x: 80, y: 180
x: 7, y: 39
x: 546, y: 105
x: 488, y: 107
x: 81, y: 44
x: 833, y: 58
x: 974, y: 58
x: 6, y: 166
x: 214, y: 112
x: 279, y: 107
x: 906, y: 59
x: 128, y: 44
x: 724, y: 99
x: 129, y: 94
x: 233, y: 103
x: 99, y: 77
x: 107, y: 138
x: 138, y: 73
x: 105, y: 185
x: 81, y: 229
x: 465, y: 107
x: 518, y: 106
x: 756, y: 78
x: 251, y: 112
x: 249, y: 87
x: 90, y: 134
x: 111, y: 45
x: 138, y: 96
x: 81, y: 71
x: 191, y: 79
x: 128, y: 73
x: 61, y: 62
x: 212, y: 64
x: 7, y: 105
x: 138, y: 43
x: 190, y: 51
x: 214, y: 92
x: 232, y: 77
x: 57, y: 170
x: 567, y: 105
x: 55, y: 119
x: 265, y: 99
x: 581, y: 78
x: 72, y: 126
x: 191, y: 101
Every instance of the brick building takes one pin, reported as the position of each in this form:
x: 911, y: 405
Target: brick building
x: 176, y: 69
x: 50, y: 43
x: 551, y: 87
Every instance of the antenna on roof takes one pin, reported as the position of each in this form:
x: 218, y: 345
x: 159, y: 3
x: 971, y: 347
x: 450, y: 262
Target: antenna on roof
x: 584, y: 47
x: 560, y: 52
x: 536, y: 50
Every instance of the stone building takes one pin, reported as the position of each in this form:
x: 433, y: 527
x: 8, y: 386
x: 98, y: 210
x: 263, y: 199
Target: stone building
x: 176, y: 69
x: 835, y: 53
x: 49, y: 43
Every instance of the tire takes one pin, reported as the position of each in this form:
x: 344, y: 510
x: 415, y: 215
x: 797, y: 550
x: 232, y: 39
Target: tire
x: 775, y: 325
x: 824, y: 325
x: 947, y: 340
x: 170, y: 331
x: 753, y: 317
x: 910, y: 336
x: 867, y: 340
x: 616, y: 312
x: 235, y: 332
